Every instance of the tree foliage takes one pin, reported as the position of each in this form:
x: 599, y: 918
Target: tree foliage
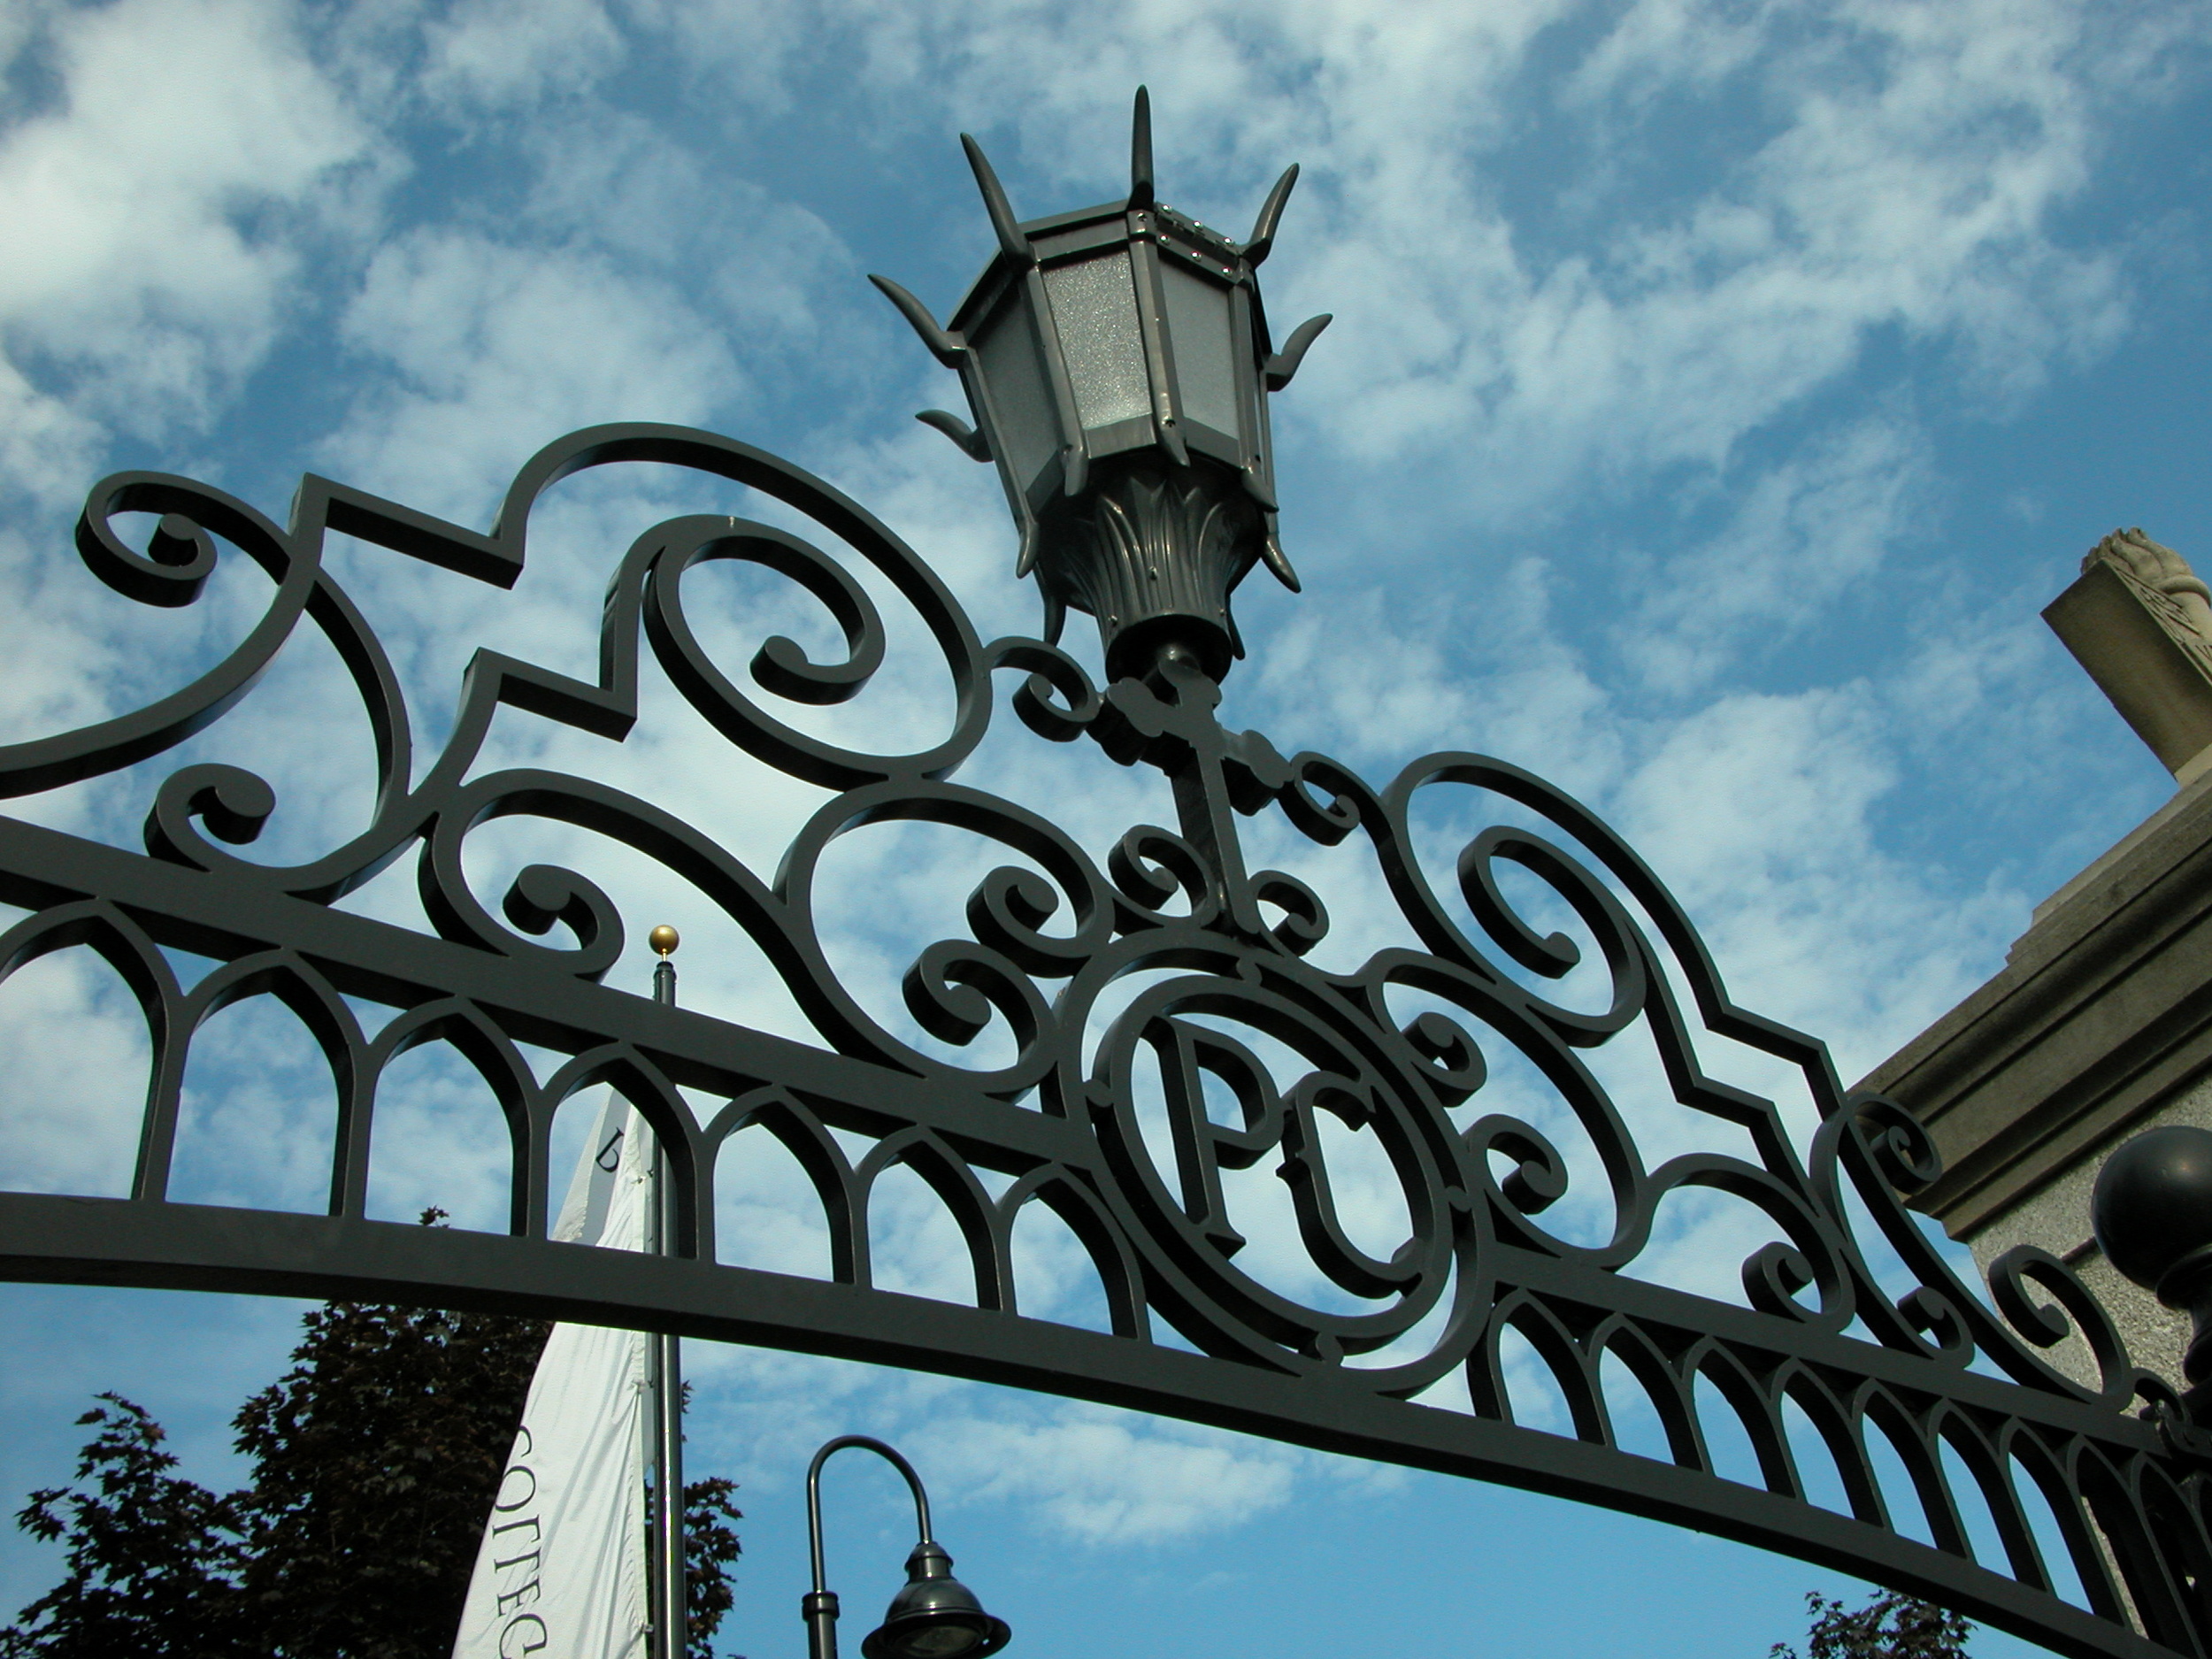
x: 149, y: 1555
x: 1891, y: 1626
x: 375, y: 1459
x: 710, y: 1546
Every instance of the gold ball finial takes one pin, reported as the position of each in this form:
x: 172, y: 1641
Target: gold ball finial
x: 663, y: 941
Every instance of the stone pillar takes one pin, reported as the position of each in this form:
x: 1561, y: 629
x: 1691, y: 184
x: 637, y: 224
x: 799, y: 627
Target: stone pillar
x: 2100, y: 1024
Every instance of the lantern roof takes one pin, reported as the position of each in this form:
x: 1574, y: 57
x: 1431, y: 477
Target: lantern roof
x: 1060, y: 237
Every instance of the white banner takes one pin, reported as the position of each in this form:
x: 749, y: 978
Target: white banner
x: 562, y: 1570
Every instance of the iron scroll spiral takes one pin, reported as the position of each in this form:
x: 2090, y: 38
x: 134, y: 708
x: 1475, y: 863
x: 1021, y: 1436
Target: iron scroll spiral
x: 1163, y: 1025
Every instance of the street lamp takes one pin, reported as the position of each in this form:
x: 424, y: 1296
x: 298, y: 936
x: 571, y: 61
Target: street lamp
x: 935, y: 1616
x: 1117, y: 363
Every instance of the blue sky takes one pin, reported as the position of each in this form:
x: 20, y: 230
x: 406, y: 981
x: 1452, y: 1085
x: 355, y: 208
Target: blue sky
x: 1715, y: 394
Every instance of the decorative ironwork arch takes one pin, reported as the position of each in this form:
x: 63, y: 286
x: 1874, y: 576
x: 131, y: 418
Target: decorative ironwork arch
x: 1222, y: 951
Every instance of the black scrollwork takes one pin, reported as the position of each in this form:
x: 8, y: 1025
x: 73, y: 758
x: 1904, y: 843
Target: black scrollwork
x: 1170, y: 1030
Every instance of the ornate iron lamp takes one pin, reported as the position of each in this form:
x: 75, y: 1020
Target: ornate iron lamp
x: 1118, y: 362
x: 935, y: 1616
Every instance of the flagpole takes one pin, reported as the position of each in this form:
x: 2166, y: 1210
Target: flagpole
x: 668, y: 1441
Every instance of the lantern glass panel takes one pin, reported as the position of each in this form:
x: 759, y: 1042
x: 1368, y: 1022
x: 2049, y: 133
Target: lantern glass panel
x: 1023, y: 424
x: 1095, y: 310
x: 1199, y: 328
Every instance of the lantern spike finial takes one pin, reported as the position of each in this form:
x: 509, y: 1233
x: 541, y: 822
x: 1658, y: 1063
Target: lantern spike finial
x: 947, y: 348
x: 1011, y: 240
x: 972, y: 444
x: 1284, y: 364
x: 1271, y: 213
x: 1141, y: 152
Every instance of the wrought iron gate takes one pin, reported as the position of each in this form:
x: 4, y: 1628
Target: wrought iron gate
x: 1223, y: 948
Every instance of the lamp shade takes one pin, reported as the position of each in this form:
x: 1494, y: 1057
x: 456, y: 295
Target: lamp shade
x: 1116, y: 361
x: 935, y: 1616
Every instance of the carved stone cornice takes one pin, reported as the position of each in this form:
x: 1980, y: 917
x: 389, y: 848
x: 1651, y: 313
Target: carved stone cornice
x: 2102, y: 1010
x: 2139, y: 623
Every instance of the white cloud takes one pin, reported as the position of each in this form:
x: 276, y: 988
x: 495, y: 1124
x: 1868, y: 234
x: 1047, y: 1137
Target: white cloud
x: 48, y: 447
x: 1757, y: 811
x: 772, y: 273
x: 154, y: 211
x: 439, y: 1138
x: 69, y: 1111
x: 1916, y: 192
x: 162, y: 199
x: 1380, y: 683
x: 1654, y: 47
x: 1799, y: 534
x: 633, y: 285
x: 1108, y: 1478
x: 508, y: 52
x: 752, y: 54
x: 1103, y: 1477
x: 493, y: 348
x: 257, y: 1117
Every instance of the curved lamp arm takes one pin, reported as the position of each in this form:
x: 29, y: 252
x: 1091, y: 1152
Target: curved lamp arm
x: 814, y: 1495
x: 819, y: 1609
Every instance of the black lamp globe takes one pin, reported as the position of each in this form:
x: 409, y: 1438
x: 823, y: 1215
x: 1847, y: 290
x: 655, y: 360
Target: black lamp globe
x: 1117, y: 363
x: 935, y: 1616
